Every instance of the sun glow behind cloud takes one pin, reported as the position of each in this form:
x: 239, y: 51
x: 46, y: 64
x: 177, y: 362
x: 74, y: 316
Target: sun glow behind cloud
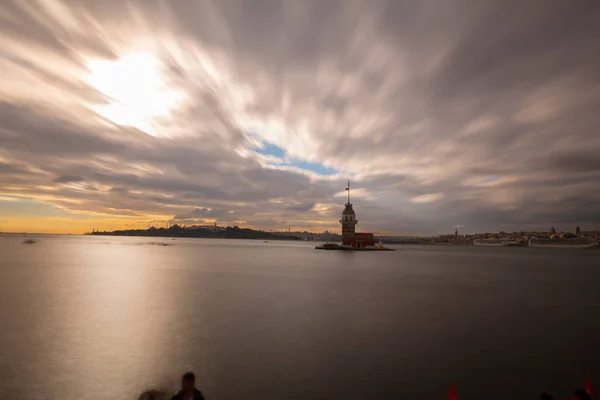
x: 137, y: 94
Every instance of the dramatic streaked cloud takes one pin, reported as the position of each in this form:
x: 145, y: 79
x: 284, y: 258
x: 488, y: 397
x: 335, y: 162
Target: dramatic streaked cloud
x: 427, y: 198
x: 120, y: 113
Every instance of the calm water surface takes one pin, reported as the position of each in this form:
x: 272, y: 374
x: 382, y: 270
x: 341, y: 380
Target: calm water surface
x: 106, y: 317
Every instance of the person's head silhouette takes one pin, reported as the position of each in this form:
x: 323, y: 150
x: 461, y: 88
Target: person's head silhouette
x: 188, y: 382
x: 188, y: 388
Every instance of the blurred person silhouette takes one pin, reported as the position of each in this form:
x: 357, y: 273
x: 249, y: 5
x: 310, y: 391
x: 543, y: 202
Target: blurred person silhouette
x: 188, y: 388
x: 153, y: 394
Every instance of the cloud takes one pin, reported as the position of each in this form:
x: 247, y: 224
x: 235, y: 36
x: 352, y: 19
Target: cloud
x: 204, y: 214
x: 492, y: 110
x: 69, y: 179
x: 307, y: 206
x: 427, y: 198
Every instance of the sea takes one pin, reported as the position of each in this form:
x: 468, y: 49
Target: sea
x: 102, y: 317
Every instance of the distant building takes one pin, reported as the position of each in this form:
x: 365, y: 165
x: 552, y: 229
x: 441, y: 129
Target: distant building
x: 349, y: 221
x: 578, y: 232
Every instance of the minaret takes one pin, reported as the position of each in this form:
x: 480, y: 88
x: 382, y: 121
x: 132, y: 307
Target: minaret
x: 348, y: 220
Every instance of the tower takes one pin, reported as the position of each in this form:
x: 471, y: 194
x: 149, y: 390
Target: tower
x: 578, y: 232
x: 348, y: 220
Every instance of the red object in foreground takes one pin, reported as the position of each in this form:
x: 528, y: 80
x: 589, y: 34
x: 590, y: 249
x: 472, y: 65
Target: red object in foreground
x: 452, y: 394
x: 588, y: 389
x: 588, y: 385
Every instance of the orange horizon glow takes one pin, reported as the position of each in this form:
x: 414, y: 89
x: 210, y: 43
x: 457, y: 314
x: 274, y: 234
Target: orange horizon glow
x: 49, y: 225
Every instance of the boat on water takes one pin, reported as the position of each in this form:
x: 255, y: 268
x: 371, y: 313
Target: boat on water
x: 495, y: 242
x: 563, y: 243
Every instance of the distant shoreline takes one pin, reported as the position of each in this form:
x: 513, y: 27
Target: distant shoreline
x: 197, y: 237
x: 198, y: 232
x: 242, y: 233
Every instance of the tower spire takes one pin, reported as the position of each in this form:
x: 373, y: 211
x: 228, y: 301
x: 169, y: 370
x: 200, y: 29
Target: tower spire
x: 348, y: 189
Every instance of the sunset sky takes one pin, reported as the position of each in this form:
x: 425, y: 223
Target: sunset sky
x: 481, y: 115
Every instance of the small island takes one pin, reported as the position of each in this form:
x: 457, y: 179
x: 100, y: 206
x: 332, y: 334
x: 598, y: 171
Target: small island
x: 352, y: 240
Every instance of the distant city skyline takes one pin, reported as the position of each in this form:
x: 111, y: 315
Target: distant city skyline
x: 119, y: 114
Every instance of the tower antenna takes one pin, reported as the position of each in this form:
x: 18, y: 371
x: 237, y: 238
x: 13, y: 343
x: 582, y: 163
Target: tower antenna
x: 348, y: 189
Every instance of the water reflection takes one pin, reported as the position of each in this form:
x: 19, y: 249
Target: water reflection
x: 83, y: 318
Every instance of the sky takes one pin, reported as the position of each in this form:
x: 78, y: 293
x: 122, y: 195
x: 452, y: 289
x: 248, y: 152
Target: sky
x: 481, y: 116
